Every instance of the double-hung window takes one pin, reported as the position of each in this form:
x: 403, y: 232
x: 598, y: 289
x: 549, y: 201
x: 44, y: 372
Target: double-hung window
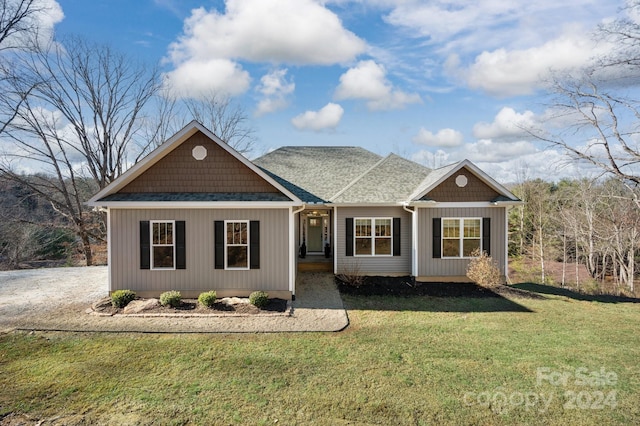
x: 237, y: 244
x: 461, y: 236
x: 163, y: 248
x: 373, y: 236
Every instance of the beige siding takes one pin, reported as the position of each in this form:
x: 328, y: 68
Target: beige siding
x: 428, y: 266
x: 200, y: 274
x: 375, y: 265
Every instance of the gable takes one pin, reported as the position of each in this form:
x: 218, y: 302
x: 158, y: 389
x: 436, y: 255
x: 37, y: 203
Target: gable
x: 179, y: 172
x: 474, y: 189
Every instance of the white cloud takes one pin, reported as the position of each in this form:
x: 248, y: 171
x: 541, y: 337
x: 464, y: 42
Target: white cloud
x: 505, y: 72
x: 507, y: 124
x: 48, y: 14
x: 444, y: 138
x: 275, y: 88
x: 299, y: 32
x: 192, y: 79
x: 368, y: 81
x: 326, y: 118
x: 486, y: 150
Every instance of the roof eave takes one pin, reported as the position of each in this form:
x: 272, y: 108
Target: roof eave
x: 195, y: 204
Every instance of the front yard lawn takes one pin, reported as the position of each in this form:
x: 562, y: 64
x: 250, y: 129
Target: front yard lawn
x: 419, y: 360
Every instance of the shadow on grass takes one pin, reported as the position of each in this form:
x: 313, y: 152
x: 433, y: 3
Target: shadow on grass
x: 430, y: 297
x: 557, y: 291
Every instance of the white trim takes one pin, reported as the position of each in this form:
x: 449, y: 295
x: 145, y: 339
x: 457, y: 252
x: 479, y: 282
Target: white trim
x: 456, y: 205
x: 461, y: 238
x: 293, y: 249
x: 169, y: 145
x: 488, y: 180
x: 506, y: 244
x: 197, y: 204
x: 152, y: 245
x: 373, y: 237
x: 109, y: 240
x: 335, y: 240
x: 247, y: 245
x: 414, y: 240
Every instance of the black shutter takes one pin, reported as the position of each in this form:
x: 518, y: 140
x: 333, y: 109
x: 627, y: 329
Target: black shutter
x: 254, y: 244
x: 396, y: 236
x: 218, y: 239
x: 486, y: 235
x: 348, y: 232
x: 181, y: 248
x: 437, y: 236
x: 145, y: 245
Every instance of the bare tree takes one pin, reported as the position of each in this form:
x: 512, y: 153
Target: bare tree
x: 18, y: 22
x: 603, y: 116
x: 218, y: 113
x: 76, y: 125
x: 18, y: 32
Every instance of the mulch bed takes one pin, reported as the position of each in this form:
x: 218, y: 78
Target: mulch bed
x: 189, y: 306
x: 407, y: 286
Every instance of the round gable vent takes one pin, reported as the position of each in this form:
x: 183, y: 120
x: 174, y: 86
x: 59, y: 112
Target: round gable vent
x: 461, y: 181
x: 199, y: 152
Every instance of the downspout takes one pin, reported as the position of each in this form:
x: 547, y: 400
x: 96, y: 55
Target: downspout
x: 293, y: 247
x: 414, y: 239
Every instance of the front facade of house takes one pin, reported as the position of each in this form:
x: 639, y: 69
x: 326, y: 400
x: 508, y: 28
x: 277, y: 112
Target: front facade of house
x: 195, y: 215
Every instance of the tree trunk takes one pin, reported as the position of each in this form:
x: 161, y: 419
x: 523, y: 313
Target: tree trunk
x: 86, y: 247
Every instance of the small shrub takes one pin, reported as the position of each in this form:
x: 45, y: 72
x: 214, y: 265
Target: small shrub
x: 259, y: 299
x: 483, y: 270
x: 121, y: 298
x: 207, y: 298
x: 351, y: 275
x: 171, y: 298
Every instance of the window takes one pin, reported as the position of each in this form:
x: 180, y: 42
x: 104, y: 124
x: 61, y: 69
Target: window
x: 460, y: 237
x: 373, y: 237
x: 237, y: 245
x: 162, y: 245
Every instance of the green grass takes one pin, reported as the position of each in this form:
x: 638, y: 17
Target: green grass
x: 401, y: 361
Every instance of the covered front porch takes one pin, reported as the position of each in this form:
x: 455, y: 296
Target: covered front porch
x: 314, y: 237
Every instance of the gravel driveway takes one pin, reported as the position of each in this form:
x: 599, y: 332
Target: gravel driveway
x: 57, y: 298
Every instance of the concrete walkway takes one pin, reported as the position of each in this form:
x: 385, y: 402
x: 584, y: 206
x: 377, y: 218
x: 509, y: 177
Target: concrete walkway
x: 56, y: 300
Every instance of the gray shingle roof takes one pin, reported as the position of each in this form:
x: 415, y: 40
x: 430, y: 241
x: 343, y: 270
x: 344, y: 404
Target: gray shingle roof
x: 391, y: 180
x: 321, y: 172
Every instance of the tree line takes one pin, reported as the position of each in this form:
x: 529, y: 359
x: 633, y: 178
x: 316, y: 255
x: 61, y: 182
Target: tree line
x: 75, y: 114
x: 585, y: 223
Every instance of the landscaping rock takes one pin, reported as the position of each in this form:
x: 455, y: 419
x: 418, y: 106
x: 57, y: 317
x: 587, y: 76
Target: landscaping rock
x: 233, y: 300
x: 137, y: 306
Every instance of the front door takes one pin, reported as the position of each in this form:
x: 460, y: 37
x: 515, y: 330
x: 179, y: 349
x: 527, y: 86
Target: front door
x: 314, y: 234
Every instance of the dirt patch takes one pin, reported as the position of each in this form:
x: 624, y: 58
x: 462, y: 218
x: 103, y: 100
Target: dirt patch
x: 191, y: 306
x: 407, y: 286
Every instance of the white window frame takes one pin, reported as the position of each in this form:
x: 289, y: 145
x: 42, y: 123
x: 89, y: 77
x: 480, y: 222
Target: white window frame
x: 372, y: 236
x: 461, y: 238
x: 227, y: 245
x: 152, y: 245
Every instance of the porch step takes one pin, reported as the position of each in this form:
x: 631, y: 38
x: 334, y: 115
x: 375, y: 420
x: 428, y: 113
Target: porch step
x: 315, y: 267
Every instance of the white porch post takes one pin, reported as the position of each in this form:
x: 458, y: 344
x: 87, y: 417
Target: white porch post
x: 292, y: 252
x: 335, y: 240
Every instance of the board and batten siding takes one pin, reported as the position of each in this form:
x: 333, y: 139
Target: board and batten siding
x: 374, y: 265
x: 439, y: 268
x: 200, y: 275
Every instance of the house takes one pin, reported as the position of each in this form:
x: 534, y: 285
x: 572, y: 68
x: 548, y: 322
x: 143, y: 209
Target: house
x: 195, y: 215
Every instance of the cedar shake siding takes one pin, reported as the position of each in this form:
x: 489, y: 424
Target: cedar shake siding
x: 180, y: 172
x: 269, y: 272
x: 474, y: 190
x: 434, y: 268
x: 398, y: 264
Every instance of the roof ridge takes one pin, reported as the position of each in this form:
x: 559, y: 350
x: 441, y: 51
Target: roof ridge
x: 366, y: 172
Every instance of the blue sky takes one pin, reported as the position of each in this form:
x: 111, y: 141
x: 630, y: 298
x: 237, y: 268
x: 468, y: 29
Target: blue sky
x: 434, y: 81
